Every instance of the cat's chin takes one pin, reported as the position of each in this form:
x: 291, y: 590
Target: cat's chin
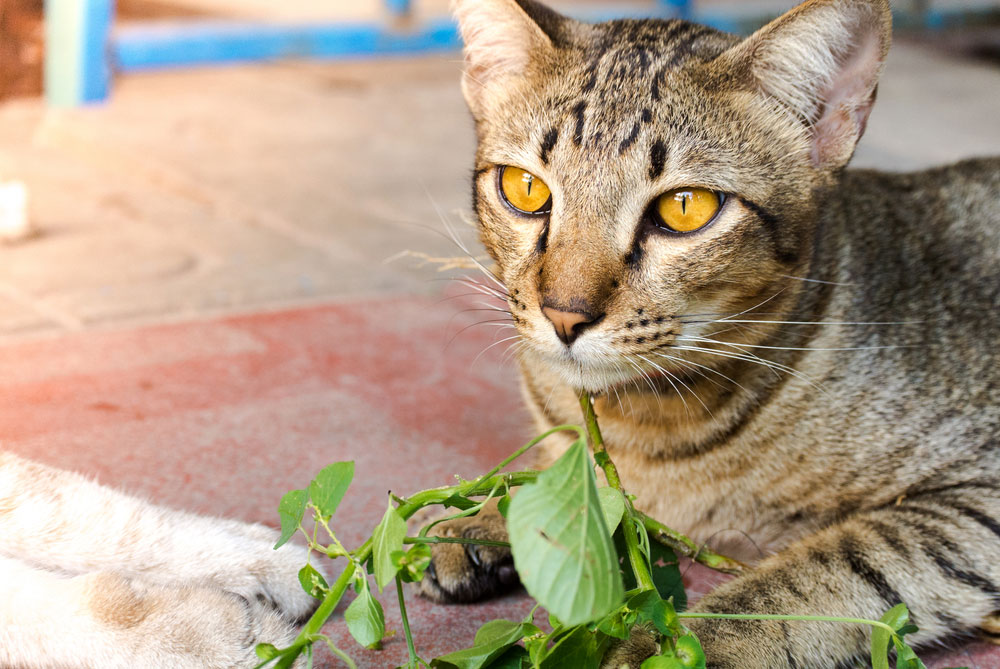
x: 597, y: 374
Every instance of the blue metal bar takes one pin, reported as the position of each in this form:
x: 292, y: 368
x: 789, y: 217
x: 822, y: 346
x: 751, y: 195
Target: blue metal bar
x: 206, y: 43
x: 76, y: 53
x: 678, y: 8
x: 398, y: 7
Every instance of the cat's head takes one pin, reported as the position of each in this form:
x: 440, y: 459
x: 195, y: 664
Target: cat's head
x: 633, y: 175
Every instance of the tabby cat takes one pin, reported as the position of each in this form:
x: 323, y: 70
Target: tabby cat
x: 778, y: 345
x: 90, y: 577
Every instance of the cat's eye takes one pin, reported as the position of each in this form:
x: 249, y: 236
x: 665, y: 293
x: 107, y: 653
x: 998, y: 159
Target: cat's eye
x: 524, y: 191
x: 686, y: 209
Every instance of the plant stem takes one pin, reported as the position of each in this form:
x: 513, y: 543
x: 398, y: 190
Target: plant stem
x: 521, y: 451
x: 682, y: 545
x: 326, y: 607
x: 763, y: 616
x: 414, y: 658
x: 629, y: 529
x: 481, y: 486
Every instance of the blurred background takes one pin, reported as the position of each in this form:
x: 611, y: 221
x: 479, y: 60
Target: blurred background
x: 218, y: 221
x: 161, y: 183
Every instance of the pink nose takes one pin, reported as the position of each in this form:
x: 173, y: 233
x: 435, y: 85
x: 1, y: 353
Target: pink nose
x: 568, y: 324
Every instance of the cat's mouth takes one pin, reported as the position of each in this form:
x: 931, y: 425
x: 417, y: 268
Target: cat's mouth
x: 600, y: 367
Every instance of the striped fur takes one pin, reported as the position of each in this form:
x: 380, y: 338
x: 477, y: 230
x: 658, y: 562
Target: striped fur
x: 811, y: 378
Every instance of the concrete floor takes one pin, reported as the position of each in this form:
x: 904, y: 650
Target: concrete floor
x: 206, y: 314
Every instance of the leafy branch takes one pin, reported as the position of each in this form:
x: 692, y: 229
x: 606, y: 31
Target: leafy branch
x: 596, y: 564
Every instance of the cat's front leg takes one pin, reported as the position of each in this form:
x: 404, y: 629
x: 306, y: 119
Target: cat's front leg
x: 935, y: 553
x: 469, y: 572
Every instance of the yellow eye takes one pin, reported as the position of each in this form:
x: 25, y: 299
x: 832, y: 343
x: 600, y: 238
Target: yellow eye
x: 687, y: 209
x: 524, y: 191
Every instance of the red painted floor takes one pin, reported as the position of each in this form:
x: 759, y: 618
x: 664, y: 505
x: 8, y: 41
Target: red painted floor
x: 223, y: 416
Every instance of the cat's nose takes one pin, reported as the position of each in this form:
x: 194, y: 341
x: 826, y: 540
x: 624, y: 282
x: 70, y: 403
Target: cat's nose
x: 569, y: 324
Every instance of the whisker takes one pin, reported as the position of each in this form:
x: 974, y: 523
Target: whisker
x: 828, y: 283
x: 723, y: 320
x: 773, y: 366
x: 797, y: 348
x: 452, y: 339
x: 678, y: 379
x: 461, y: 245
x: 682, y: 361
x: 496, y: 343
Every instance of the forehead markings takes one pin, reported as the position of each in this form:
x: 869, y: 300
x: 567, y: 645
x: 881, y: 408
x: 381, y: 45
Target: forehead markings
x: 657, y: 157
x: 684, y: 43
x: 578, y: 111
x: 629, y: 139
x: 548, y: 143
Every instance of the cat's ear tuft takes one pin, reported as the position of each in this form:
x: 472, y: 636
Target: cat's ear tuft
x: 502, y: 38
x: 822, y: 61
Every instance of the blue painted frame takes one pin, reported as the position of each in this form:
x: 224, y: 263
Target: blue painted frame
x: 81, y: 74
x: 210, y: 42
x: 190, y: 43
x: 84, y: 49
x: 77, y: 67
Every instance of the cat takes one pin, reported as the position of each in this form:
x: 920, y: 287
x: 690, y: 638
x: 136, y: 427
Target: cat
x: 777, y: 345
x: 90, y: 577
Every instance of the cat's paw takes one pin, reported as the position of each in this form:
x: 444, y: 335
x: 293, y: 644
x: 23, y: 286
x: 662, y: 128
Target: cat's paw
x: 151, y: 625
x: 629, y: 653
x: 263, y: 574
x: 469, y: 572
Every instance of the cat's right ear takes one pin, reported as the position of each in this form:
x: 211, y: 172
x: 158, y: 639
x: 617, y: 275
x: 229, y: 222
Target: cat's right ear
x: 502, y: 39
x: 821, y: 61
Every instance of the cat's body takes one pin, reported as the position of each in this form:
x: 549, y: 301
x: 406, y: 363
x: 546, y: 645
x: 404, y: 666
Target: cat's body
x: 812, y: 365
x: 90, y: 577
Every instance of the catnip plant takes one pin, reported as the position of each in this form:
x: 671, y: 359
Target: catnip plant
x: 598, y: 567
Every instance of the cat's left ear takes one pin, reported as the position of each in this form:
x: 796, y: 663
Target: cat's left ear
x: 502, y: 39
x: 822, y: 61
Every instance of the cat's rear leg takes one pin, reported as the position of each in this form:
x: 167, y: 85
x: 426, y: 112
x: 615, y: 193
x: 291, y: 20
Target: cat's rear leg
x: 109, y: 620
x: 469, y: 572
x: 64, y: 522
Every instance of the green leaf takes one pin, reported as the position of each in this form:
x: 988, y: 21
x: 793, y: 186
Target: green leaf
x: 562, y: 549
x: 313, y: 582
x: 689, y: 652
x: 614, y: 624
x: 514, y: 657
x: 492, y: 641
x: 266, y: 651
x: 896, y: 618
x: 651, y: 608
x: 905, y: 657
x: 291, y: 508
x: 413, y: 563
x: 576, y: 650
x: 498, y: 630
x: 365, y: 620
x: 666, y: 573
x: 880, y: 648
x: 612, y: 505
x: 662, y: 662
x: 503, y: 504
x: 459, y: 502
x: 329, y: 486
x: 388, y: 537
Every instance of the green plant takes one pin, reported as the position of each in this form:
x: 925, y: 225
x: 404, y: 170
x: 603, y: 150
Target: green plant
x: 595, y: 563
